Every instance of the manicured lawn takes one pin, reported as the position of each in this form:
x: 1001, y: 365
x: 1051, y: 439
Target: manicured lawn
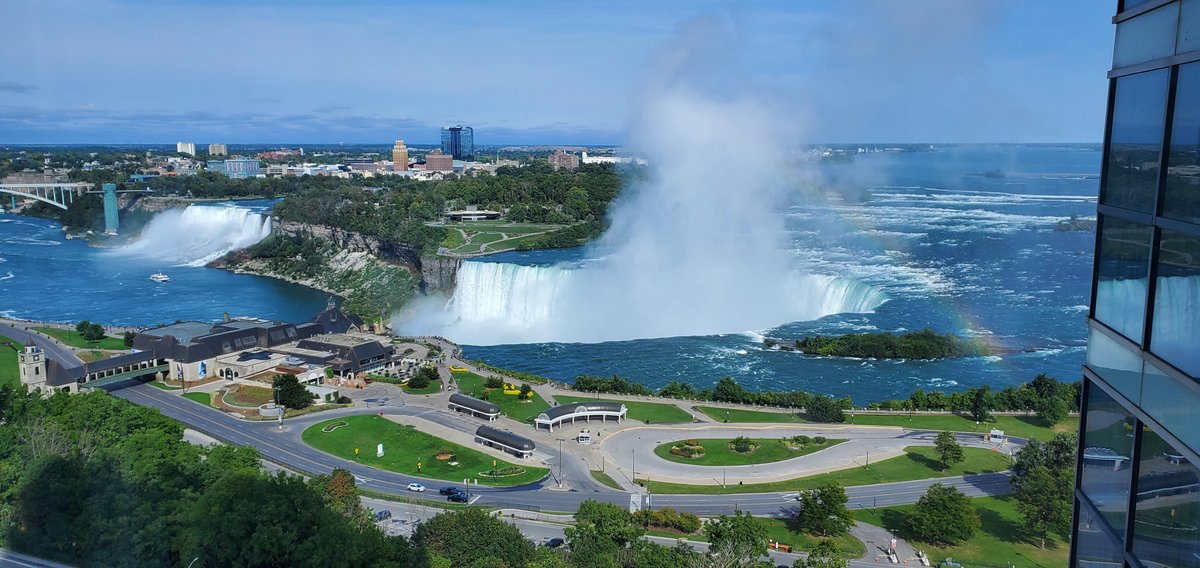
x: 405, y: 446
x: 918, y: 463
x: 164, y: 386
x: 72, y: 338
x: 201, y: 397
x: 510, y: 404
x: 1019, y: 426
x: 739, y: 415
x: 486, y: 232
x: 248, y: 396
x: 434, y: 387
x: 783, y: 531
x: 10, y: 374
x: 718, y: 452
x: 999, y: 542
x: 648, y: 412
x: 605, y: 479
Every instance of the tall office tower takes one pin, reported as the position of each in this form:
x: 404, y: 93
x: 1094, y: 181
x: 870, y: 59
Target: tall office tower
x: 459, y: 141
x: 188, y: 148
x: 218, y: 150
x: 1137, y: 501
x: 400, y: 157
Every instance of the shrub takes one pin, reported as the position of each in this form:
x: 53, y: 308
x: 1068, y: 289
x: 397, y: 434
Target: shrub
x: 819, y: 440
x: 691, y: 442
x: 668, y: 519
x: 419, y: 381
x: 742, y: 445
x: 494, y: 383
x: 802, y: 440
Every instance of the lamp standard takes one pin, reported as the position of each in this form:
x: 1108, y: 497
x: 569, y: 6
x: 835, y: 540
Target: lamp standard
x: 634, y: 453
x: 560, y: 463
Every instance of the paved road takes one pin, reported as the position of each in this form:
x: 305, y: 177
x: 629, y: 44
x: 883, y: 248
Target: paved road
x: 287, y: 449
x: 10, y: 559
x: 54, y: 351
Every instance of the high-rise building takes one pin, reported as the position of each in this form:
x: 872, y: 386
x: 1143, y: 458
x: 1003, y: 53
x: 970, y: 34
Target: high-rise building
x: 459, y: 141
x: 400, y: 157
x: 235, y: 167
x: 188, y: 148
x: 1137, y: 501
x: 560, y: 159
x: 218, y: 150
x: 437, y: 161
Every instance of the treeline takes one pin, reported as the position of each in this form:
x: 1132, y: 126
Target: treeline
x: 1050, y: 398
x: 924, y: 344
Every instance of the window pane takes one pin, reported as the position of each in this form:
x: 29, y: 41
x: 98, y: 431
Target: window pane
x: 1136, y: 140
x: 1182, y: 197
x: 1146, y: 37
x: 1107, y: 451
x: 1175, y: 335
x: 1124, y: 269
x: 1167, y: 518
x: 1118, y: 366
x: 1189, y: 26
x: 1172, y: 404
x: 1094, y: 547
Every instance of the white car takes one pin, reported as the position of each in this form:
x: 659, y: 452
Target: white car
x: 416, y: 487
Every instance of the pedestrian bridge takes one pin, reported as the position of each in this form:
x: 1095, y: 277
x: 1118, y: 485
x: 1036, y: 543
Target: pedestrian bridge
x: 60, y: 195
x: 120, y: 368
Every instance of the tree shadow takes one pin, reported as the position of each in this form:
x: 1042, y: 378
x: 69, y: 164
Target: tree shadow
x: 1003, y: 529
x: 1034, y: 421
x: 930, y: 463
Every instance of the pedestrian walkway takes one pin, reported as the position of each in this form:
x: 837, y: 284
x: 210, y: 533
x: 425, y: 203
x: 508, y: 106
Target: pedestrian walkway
x: 879, y: 541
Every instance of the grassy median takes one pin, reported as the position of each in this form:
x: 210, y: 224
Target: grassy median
x: 918, y: 462
x: 717, y: 451
x: 648, y: 412
x: 740, y: 415
x: 74, y: 339
x: 405, y: 447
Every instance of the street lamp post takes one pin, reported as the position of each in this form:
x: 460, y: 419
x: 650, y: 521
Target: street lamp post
x: 634, y: 453
x: 560, y: 463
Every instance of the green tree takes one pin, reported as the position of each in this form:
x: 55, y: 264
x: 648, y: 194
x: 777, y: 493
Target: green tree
x: 823, y: 510
x: 824, y: 555
x: 736, y: 541
x: 471, y: 538
x: 824, y: 409
x: 291, y: 393
x: 423, y: 378
x: 1057, y: 455
x: 943, y: 515
x: 603, y: 535
x: 90, y: 331
x: 981, y: 404
x: 947, y: 449
x: 127, y: 338
x: 1052, y: 409
x: 526, y: 391
x: 1044, y: 502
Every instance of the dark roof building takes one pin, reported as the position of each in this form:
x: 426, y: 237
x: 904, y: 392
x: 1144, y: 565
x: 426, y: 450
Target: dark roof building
x: 334, y: 320
x: 476, y: 407
x: 599, y: 409
x: 191, y: 341
x: 353, y: 353
x: 519, y: 446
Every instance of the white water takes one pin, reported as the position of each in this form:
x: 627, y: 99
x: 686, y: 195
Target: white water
x: 198, y: 234
x: 498, y: 303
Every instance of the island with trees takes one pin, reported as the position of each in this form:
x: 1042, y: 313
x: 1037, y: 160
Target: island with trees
x: 925, y: 344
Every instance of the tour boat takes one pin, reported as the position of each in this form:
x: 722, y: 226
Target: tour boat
x: 160, y: 277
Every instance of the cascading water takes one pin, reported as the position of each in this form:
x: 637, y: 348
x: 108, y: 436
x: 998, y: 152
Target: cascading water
x: 198, y: 234
x: 509, y: 303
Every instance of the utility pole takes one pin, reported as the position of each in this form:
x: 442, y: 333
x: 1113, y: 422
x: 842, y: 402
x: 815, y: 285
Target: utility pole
x: 560, y: 463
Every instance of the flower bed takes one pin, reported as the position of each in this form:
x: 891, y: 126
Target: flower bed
x: 334, y: 426
x: 509, y: 471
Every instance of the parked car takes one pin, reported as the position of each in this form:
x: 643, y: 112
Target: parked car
x: 449, y: 490
x: 382, y: 515
x: 555, y: 543
x: 416, y: 487
x: 457, y: 497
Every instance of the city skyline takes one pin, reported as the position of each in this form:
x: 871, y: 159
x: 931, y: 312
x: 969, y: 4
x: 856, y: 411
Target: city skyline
x: 845, y: 72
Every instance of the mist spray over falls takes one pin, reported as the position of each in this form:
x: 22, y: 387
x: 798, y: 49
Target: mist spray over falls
x: 198, y: 234
x: 696, y: 249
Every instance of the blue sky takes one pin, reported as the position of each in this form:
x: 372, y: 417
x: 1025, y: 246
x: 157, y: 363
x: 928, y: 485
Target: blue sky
x: 158, y: 71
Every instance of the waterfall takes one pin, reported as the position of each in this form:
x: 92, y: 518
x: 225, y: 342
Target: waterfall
x: 509, y: 303
x: 198, y: 234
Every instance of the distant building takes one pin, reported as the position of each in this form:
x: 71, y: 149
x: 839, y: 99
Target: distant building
x: 438, y: 161
x: 400, y: 157
x: 188, y: 148
x: 217, y: 150
x: 560, y: 159
x: 459, y: 142
x: 472, y: 213
x: 236, y: 167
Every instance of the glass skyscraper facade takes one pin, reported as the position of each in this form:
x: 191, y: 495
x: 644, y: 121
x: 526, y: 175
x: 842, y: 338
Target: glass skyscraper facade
x: 1138, y: 492
x: 459, y: 141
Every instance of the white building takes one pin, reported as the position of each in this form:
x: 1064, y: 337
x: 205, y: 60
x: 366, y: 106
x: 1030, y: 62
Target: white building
x: 188, y: 148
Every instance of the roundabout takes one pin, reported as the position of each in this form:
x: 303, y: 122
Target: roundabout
x: 716, y: 452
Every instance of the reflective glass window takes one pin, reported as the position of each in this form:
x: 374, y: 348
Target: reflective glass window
x: 1181, y: 199
x: 1175, y: 335
x: 1172, y: 403
x: 1189, y: 26
x: 1146, y: 37
x: 1131, y: 3
x: 1166, y: 522
x: 1093, y: 544
x: 1139, y: 110
x: 1124, y: 271
x: 1107, y: 454
x: 1117, y: 365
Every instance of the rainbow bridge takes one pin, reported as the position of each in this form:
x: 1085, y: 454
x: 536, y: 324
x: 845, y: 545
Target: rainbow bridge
x: 60, y: 195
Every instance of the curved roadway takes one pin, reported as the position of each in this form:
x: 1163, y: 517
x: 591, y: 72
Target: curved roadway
x: 286, y: 448
x: 54, y: 350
